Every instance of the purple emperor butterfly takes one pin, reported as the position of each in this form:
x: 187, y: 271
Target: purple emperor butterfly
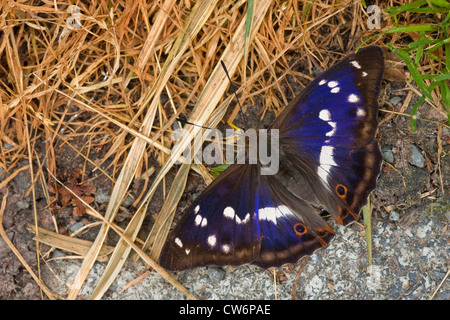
x: 329, y: 161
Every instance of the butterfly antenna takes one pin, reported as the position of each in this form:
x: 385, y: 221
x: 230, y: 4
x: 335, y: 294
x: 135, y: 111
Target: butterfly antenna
x: 193, y: 124
x: 237, y: 99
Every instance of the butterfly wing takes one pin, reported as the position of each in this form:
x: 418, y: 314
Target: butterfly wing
x: 243, y: 217
x: 329, y: 160
x: 331, y: 128
x: 219, y: 227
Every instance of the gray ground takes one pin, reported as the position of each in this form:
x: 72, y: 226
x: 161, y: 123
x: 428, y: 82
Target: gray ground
x: 411, y: 258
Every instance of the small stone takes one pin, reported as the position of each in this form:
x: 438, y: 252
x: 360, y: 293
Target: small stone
x: 57, y: 254
x: 388, y: 155
x: 128, y: 201
x: 216, y: 274
x: 76, y: 226
x: 417, y: 158
x: 394, y: 216
x: 22, y: 204
x: 394, y: 100
x: 62, y: 230
x: 7, y: 146
x: 101, y: 197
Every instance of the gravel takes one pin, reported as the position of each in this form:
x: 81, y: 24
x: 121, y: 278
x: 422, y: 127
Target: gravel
x: 410, y: 259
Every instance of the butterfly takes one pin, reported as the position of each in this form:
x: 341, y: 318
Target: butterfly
x: 329, y: 161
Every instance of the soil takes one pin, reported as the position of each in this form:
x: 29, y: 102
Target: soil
x: 412, y: 179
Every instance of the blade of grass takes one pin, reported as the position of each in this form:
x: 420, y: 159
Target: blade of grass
x: 157, y: 236
x: 441, y: 3
x: 70, y: 244
x: 445, y: 94
x: 414, y: 109
x: 119, y: 256
x: 248, y: 24
x: 367, y: 216
x: 417, y: 28
x: 407, y: 7
x: 412, y: 67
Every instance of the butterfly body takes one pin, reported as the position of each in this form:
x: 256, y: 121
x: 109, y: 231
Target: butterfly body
x: 329, y: 161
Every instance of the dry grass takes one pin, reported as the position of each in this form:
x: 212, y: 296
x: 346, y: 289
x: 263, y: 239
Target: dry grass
x: 112, y: 72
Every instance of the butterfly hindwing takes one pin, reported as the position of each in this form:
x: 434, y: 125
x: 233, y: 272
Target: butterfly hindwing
x: 219, y: 227
x: 258, y: 222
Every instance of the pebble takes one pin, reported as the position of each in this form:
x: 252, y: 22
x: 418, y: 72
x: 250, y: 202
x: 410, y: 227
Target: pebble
x: 388, y: 155
x: 7, y: 146
x: 57, y: 254
x: 102, y: 197
x: 216, y: 274
x: 394, y: 100
x: 76, y: 226
x: 394, y: 216
x: 128, y: 201
x: 417, y: 158
x: 22, y: 204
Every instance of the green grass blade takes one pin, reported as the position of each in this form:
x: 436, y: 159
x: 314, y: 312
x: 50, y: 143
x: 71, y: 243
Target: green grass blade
x: 412, y: 67
x: 445, y: 93
x: 440, y: 3
x: 407, y: 7
x: 248, y: 24
x: 368, y: 230
x: 415, y: 28
x: 414, y: 112
x: 216, y: 171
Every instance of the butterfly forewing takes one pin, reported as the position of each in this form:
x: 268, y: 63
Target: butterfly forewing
x: 331, y: 126
x: 329, y: 160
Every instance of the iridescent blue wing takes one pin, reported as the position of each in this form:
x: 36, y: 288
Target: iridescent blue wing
x: 219, y: 227
x: 329, y: 161
x: 332, y: 125
x: 243, y: 217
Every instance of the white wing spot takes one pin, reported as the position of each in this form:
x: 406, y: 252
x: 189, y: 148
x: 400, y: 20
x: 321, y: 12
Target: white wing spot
x: 226, y: 248
x: 325, y: 115
x: 326, y: 161
x: 333, y: 130
x: 361, y: 112
x: 285, y: 210
x: 179, y: 242
x: 364, y: 74
x: 335, y: 90
x: 187, y: 251
x: 322, y: 82
x: 353, y: 98
x: 198, y: 220
x: 356, y: 64
x: 204, y: 222
x: 333, y: 84
x: 212, y: 240
x: 269, y: 214
x: 197, y: 208
x: 228, y: 212
x: 246, y: 219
